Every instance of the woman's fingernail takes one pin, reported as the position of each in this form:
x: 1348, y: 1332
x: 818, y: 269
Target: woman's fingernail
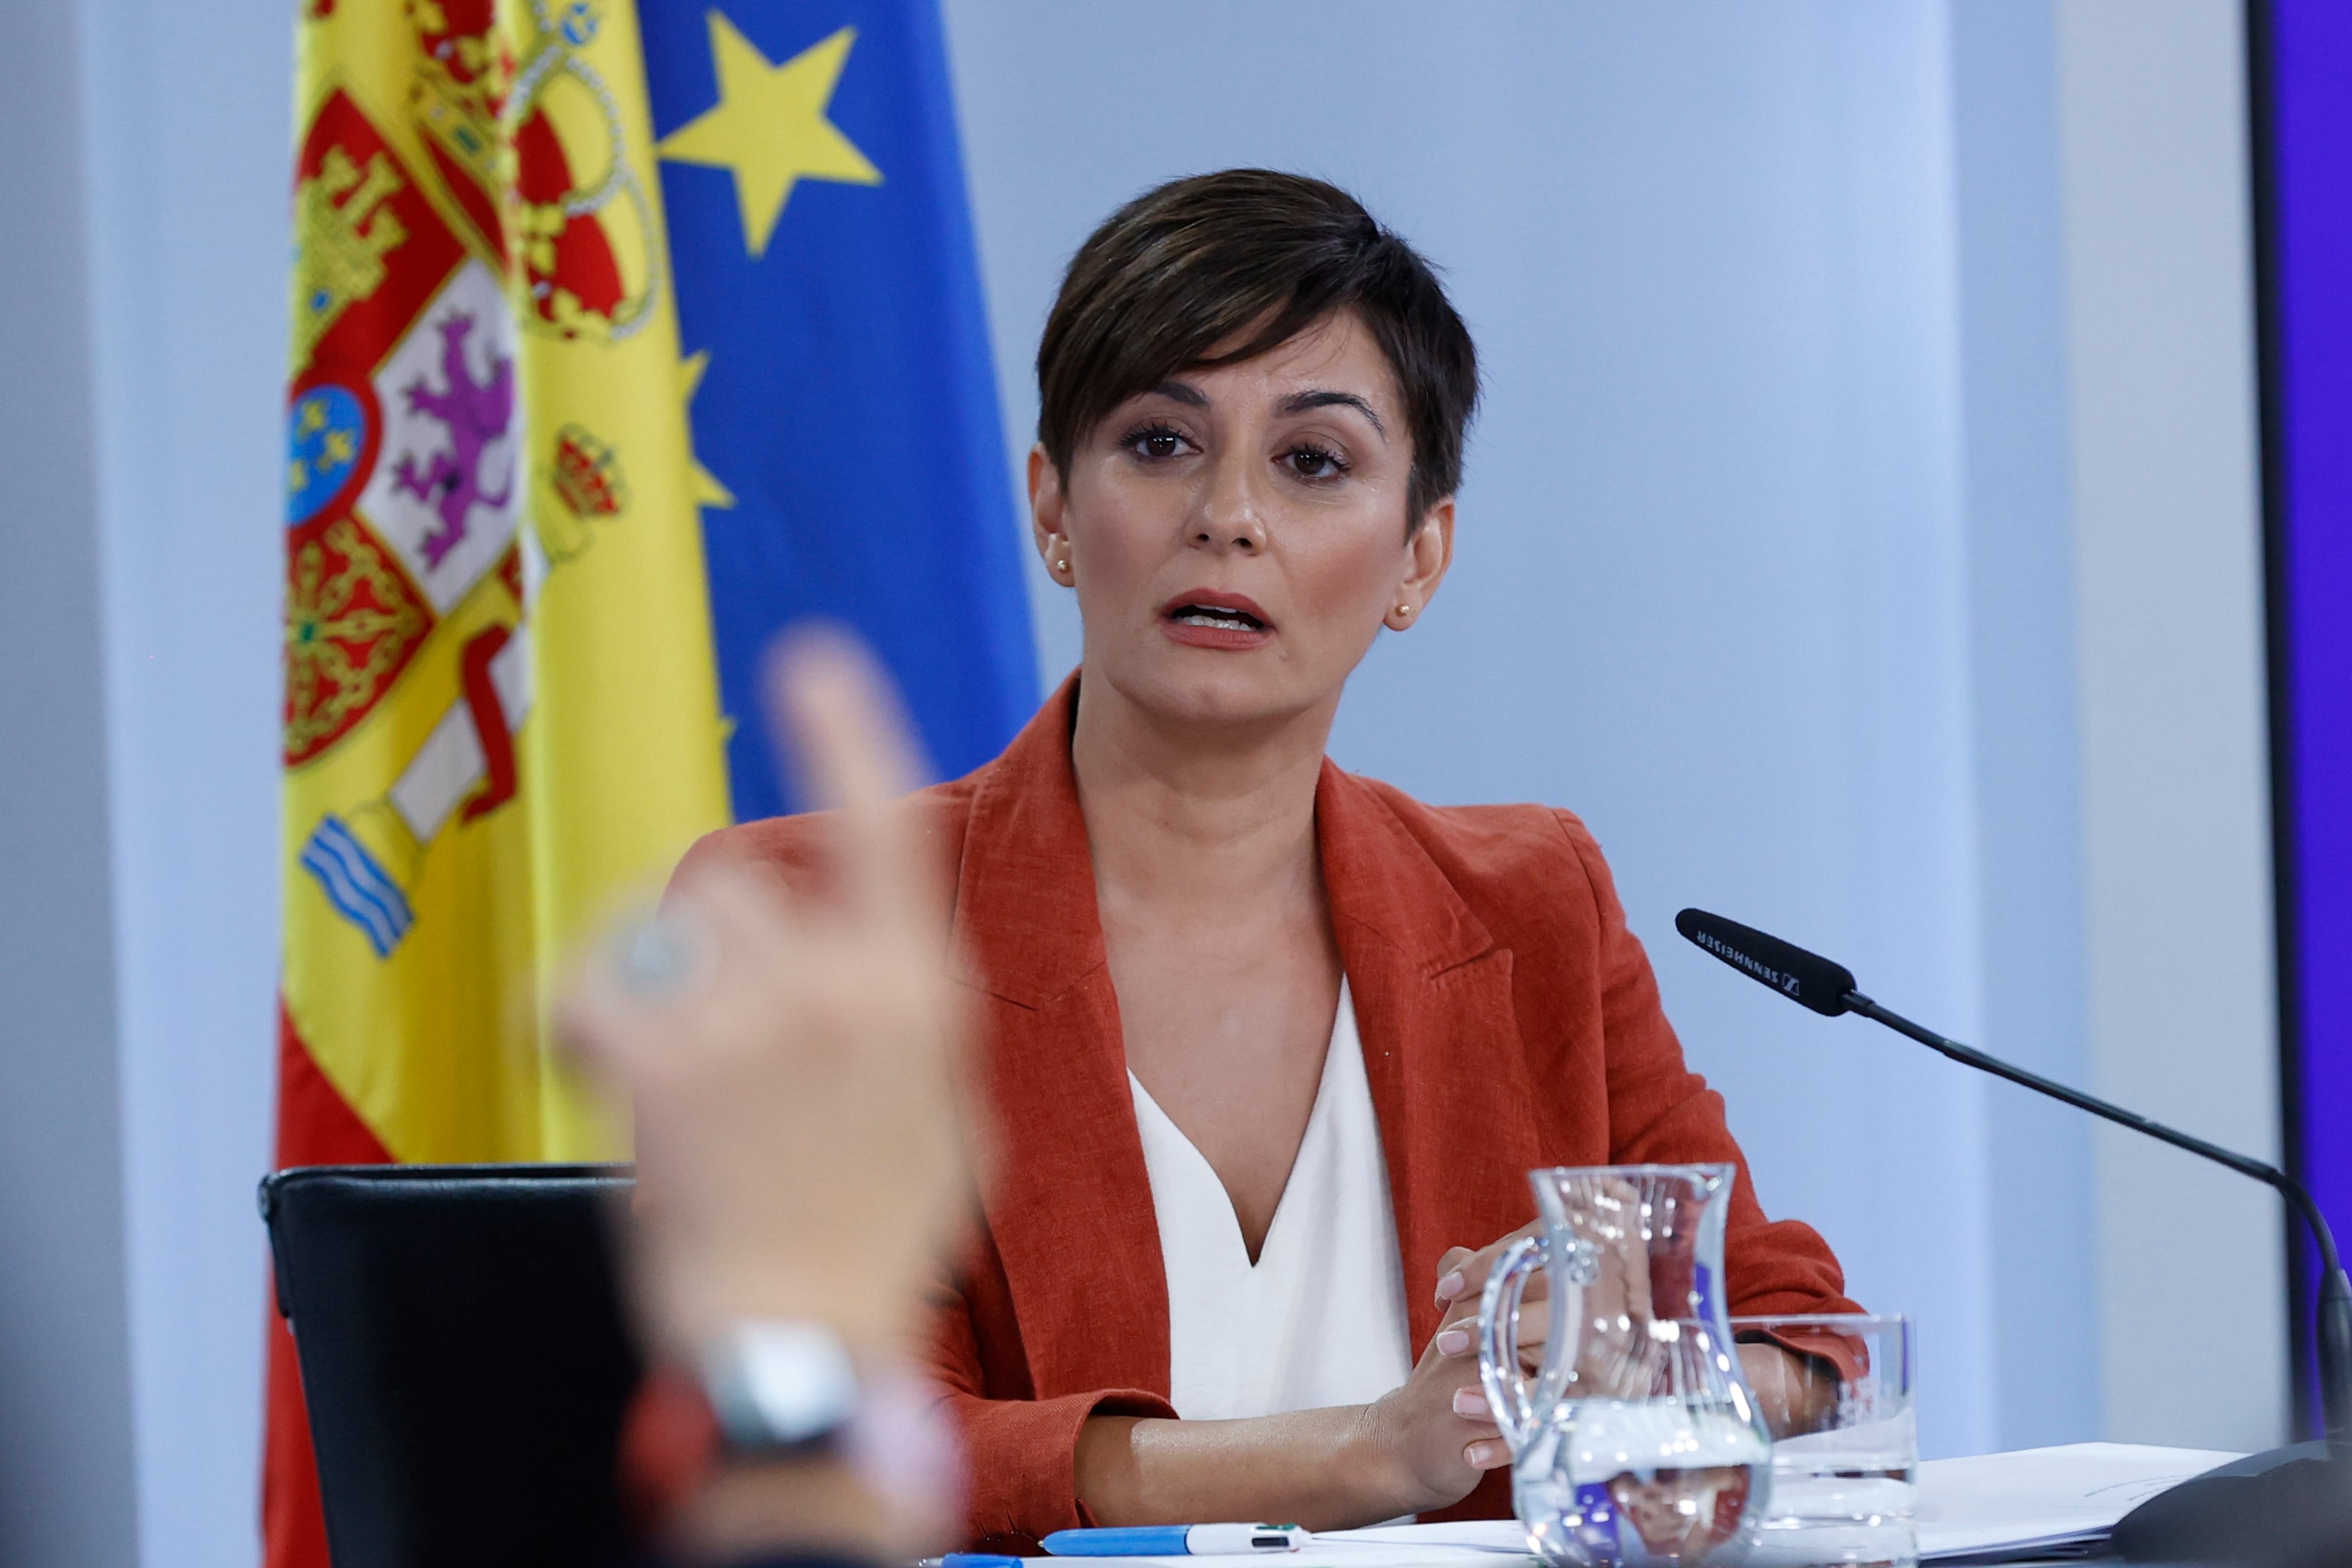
x: 1470, y: 1401
x: 1450, y: 1287
x: 1453, y: 1341
x: 1483, y: 1454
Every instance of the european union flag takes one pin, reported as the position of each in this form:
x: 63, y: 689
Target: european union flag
x: 849, y: 447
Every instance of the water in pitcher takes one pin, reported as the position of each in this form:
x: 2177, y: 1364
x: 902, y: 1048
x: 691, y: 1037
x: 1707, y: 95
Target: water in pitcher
x: 1642, y: 1482
x: 1635, y: 1441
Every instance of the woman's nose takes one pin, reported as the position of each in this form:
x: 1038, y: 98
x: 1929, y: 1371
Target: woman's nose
x: 1228, y: 515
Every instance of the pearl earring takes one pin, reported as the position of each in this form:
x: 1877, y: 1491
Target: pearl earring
x: 1062, y: 565
x: 1406, y: 610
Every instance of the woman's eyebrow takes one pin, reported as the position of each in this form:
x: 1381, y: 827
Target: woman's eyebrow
x: 1182, y: 391
x: 1300, y: 401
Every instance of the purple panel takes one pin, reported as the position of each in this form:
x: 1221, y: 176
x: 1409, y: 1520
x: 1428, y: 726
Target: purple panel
x: 2311, y: 105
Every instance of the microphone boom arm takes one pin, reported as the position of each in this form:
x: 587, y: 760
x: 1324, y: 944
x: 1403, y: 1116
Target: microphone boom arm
x: 2293, y: 1191
x: 1827, y: 988
x: 2334, y: 1336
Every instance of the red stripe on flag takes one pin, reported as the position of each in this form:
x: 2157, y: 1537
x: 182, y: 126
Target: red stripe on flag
x: 316, y: 1126
x: 490, y: 727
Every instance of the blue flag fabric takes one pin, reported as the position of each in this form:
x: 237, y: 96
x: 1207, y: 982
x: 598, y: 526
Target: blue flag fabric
x: 842, y: 395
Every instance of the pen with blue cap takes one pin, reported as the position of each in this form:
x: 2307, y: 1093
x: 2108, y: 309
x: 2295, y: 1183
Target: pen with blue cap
x: 1176, y: 1540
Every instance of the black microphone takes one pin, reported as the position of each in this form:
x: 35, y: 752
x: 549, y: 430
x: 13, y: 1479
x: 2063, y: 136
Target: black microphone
x: 2200, y: 1514
x: 1806, y: 978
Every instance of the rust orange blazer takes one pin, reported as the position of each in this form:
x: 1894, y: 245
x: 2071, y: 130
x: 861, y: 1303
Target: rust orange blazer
x: 1508, y: 1020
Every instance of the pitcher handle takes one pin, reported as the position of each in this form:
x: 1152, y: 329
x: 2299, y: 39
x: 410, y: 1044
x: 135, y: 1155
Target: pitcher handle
x: 1499, y: 1362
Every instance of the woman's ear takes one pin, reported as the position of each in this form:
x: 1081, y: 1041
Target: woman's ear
x: 1046, y: 515
x: 1428, y: 553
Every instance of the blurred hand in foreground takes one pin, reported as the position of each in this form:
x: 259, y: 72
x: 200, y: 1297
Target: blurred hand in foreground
x: 792, y: 1059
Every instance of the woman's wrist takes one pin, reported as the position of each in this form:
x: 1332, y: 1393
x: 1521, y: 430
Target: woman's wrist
x: 1368, y: 1461
x: 1374, y: 1456
x: 1351, y: 1470
x: 1329, y: 1469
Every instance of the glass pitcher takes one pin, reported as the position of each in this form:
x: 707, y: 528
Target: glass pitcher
x: 1636, y: 1440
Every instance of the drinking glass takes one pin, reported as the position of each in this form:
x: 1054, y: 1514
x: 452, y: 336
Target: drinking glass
x: 1845, y: 1441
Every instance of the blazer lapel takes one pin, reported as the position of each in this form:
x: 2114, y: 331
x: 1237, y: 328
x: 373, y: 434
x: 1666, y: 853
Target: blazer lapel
x: 1433, y: 1008
x: 1070, y: 1207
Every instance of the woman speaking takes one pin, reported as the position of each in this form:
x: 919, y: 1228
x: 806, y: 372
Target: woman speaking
x: 1271, y: 1048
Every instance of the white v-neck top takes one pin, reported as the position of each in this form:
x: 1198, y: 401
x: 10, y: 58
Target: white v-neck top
x: 1320, y: 1319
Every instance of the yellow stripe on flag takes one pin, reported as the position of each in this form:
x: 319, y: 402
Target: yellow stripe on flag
x: 502, y: 714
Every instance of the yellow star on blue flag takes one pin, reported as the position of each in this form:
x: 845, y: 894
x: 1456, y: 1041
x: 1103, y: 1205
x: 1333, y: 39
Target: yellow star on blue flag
x: 707, y: 490
x: 769, y: 127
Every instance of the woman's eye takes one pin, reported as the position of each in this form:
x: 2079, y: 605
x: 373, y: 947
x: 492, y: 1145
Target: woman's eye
x: 1315, y: 462
x: 1155, y: 443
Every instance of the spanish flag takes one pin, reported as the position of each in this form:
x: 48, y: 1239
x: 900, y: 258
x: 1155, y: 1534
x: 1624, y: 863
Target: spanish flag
x: 625, y: 335
x: 501, y: 696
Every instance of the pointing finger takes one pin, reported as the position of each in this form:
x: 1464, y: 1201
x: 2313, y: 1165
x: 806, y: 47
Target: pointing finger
x: 855, y: 756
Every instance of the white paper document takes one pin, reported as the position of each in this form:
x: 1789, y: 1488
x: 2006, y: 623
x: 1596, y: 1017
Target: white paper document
x: 2035, y: 1504
x: 2044, y: 1502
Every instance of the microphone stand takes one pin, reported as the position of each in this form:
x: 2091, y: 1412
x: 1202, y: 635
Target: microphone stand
x: 2290, y: 1506
x: 2334, y: 1325
x: 2285, y: 1505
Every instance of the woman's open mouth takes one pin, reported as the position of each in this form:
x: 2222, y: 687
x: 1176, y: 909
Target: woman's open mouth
x: 1208, y: 619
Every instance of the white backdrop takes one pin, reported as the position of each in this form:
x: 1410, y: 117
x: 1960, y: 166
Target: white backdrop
x: 1865, y: 473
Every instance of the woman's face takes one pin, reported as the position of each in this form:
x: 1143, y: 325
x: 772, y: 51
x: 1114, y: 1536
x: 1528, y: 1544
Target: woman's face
x: 1237, y: 535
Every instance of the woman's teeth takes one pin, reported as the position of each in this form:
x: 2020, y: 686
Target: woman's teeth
x: 1224, y: 620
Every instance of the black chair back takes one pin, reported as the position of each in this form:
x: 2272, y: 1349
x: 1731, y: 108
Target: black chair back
x: 465, y: 1359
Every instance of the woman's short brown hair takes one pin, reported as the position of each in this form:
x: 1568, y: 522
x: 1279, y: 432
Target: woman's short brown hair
x: 1200, y: 261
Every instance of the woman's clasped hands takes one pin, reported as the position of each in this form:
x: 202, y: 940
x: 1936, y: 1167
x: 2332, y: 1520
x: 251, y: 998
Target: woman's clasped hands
x: 1436, y: 1428
x: 1617, y: 1357
x: 1439, y: 1425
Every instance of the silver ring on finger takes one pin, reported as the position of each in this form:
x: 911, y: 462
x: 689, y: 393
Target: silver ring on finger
x: 659, y: 957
